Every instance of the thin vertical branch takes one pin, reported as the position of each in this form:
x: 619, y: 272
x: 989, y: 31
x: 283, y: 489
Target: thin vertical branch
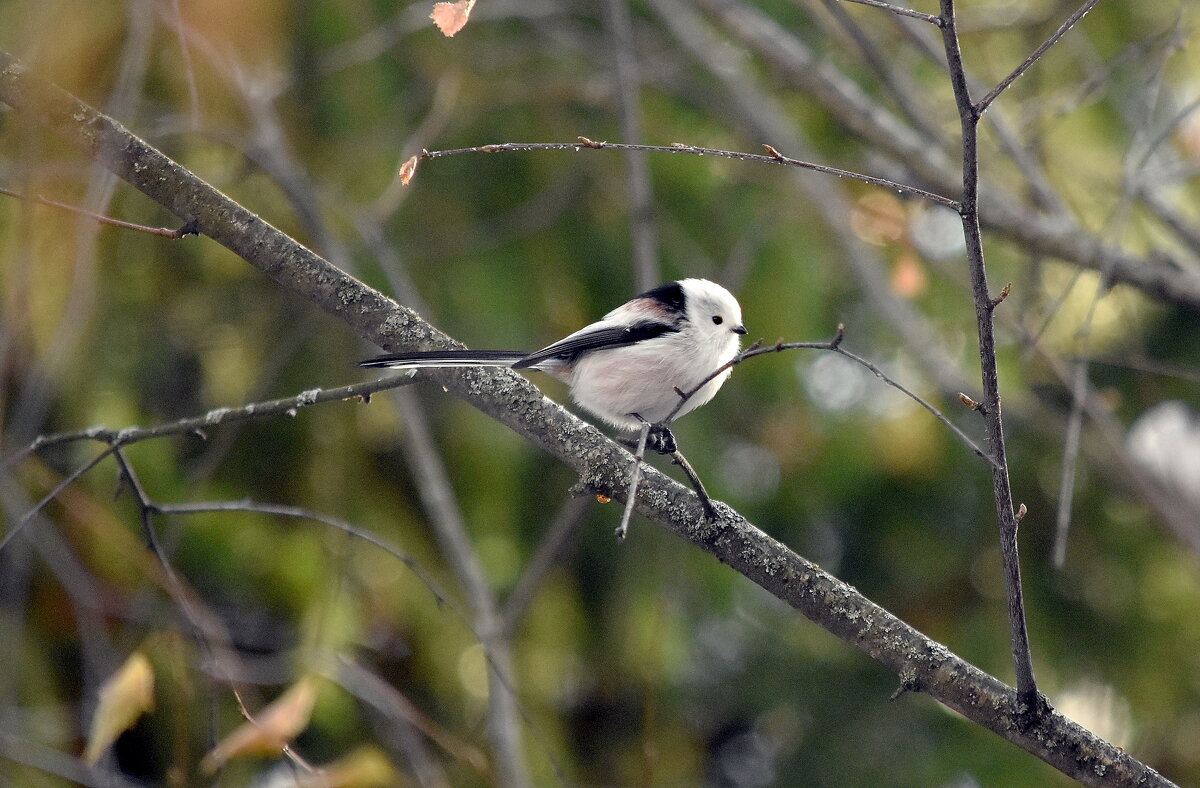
x: 985, y: 304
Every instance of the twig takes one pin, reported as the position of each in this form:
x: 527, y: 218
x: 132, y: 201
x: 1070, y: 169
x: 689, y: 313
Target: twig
x: 985, y: 306
x: 201, y: 629
x: 834, y: 345
x: 982, y: 105
x: 188, y: 229
x: 932, y: 19
x: 501, y: 672
x: 50, y: 496
x: 772, y: 157
x: 299, y: 513
x: 196, y: 425
x: 635, y: 476
x: 882, y: 63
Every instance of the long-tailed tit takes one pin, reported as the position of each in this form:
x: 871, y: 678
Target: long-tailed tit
x: 629, y: 366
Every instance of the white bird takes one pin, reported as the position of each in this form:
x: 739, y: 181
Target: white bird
x: 630, y: 365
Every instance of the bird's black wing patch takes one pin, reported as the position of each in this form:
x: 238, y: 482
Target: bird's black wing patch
x: 617, y: 336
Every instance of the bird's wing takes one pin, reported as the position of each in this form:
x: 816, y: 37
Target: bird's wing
x: 595, y: 337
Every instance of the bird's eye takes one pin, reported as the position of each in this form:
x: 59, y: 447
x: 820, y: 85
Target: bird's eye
x: 718, y: 320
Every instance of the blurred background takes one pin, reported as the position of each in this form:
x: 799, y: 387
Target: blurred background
x: 643, y: 663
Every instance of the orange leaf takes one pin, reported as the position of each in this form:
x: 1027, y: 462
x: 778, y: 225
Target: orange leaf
x: 451, y: 17
x: 125, y: 696
x: 271, y: 729
x: 407, y: 170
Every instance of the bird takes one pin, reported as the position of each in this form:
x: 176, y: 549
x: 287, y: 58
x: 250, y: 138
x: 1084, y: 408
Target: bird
x: 632, y: 367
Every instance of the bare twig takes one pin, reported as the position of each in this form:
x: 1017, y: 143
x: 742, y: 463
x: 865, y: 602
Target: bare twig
x: 985, y: 305
x: 300, y: 513
x: 772, y: 157
x: 196, y: 425
x: 635, y: 476
x: 834, y: 345
x: 932, y: 19
x: 165, y: 232
x: 203, y: 630
x: 50, y: 496
x: 982, y: 105
x: 882, y: 63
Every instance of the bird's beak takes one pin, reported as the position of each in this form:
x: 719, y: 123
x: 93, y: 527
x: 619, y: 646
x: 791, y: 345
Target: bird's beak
x: 738, y: 329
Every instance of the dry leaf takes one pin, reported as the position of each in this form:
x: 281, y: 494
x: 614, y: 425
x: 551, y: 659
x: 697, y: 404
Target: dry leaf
x: 124, y: 697
x: 451, y: 17
x: 271, y: 729
x: 407, y: 170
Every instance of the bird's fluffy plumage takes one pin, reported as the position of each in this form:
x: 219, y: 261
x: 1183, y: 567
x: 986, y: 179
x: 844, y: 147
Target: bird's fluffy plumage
x: 629, y: 364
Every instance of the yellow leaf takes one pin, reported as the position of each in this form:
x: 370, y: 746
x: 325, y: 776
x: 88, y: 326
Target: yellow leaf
x: 271, y: 729
x: 127, y: 695
x: 451, y: 17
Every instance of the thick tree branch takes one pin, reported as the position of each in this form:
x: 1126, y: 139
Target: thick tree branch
x: 922, y: 664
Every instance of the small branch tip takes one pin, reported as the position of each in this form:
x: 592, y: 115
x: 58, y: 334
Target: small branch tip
x: 774, y: 154
x: 1021, y: 512
x: 995, y: 302
x: 590, y: 143
x: 970, y: 403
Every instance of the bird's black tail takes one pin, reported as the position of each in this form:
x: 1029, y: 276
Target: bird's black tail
x: 446, y: 358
